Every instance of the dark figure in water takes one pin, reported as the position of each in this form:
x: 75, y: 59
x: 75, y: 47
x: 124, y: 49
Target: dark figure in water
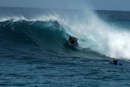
x: 115, y: 62
x: 73, y: 40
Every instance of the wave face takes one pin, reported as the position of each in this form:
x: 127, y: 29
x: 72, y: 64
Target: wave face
x: 39, y: 34
x: 42, y: 31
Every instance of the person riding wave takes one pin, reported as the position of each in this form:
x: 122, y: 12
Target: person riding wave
x: 115, y: 62
x: 73, y: 40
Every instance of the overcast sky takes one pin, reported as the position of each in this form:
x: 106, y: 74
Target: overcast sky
x: 79, y: 4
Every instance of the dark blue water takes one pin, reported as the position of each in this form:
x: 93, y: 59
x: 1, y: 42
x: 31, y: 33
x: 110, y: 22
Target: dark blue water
x: 34, y: 48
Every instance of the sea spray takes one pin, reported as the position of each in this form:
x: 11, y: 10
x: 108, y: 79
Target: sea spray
x: 94, y: 33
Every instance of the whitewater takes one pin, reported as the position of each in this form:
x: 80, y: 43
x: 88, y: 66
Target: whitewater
x: 35, y: 51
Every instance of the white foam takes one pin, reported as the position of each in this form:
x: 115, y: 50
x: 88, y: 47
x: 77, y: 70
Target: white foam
x: 97, y: 35
x: 14, y: 18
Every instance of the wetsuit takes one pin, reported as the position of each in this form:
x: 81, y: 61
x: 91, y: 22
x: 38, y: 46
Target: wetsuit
x: 73, y: 40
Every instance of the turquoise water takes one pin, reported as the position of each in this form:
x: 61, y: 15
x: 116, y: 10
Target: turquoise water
x: 34, y: 48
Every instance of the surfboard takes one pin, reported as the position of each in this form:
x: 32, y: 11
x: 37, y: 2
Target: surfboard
x: 118, y: 63
x: 75, y: 44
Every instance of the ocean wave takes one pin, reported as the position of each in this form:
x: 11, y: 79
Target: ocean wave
x: 52, y: 32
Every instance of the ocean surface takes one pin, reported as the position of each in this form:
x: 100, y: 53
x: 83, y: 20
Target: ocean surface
x: 35, y: 52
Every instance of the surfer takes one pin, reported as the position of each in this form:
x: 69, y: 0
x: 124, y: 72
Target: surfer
x: 73, y: 41
x: 115, y: 62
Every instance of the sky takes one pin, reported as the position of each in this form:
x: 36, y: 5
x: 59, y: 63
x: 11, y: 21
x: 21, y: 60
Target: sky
x: 71, y: 4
